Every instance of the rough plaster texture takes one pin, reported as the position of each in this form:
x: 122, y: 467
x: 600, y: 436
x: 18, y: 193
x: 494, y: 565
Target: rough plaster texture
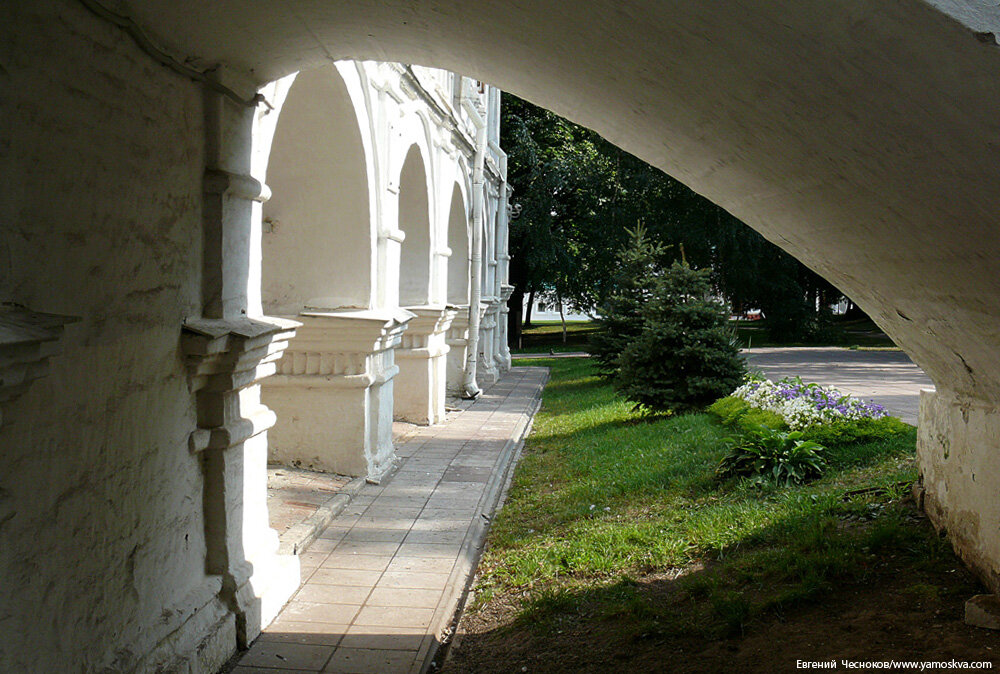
x: 415, y: 221
x: 333, y: 394
x: 419, y: 395
x: 960, y: 465
x: 833, y: 137
x: 133, y: 519
x: 101, y: 535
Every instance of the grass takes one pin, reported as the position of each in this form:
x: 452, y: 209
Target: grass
x: 604, y: 503
x: 856, y: 334
x: 545, y: 336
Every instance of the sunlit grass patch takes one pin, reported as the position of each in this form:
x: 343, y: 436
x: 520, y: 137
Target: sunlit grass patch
x: 604, y: 500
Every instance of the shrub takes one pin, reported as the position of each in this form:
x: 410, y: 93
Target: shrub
x: 621, y: 310
x: 686, y: 356
x: 780, y: 457
x: 729, y: 409
x: 739, y: 414
x: 859, y: 430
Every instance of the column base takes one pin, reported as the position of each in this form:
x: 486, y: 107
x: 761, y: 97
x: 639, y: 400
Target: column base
x: 423, y: 360
x: 457, y: 339
x: 333, y: 393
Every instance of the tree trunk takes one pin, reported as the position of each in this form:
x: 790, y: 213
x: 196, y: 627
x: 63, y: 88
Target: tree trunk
x: 515, y: 306
x: 562, y: 316
x: 531, y: 305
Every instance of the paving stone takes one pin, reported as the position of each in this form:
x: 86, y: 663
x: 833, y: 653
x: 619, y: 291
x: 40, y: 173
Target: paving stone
x: 421, y: 565
x: 413, y: 579
x: 454, y: 512
x: 268, y: 670
x: 292, y: 631
x: 394, y: 616
x: 408, y: 597
x: 356, y: 547
x: 442, y: 524
x: 280, y: 655
x: 338, y: 614
x: 376, y: 511
x: 311, y: 558
x: 360, y: 562
x: 378, y: 574
x: 387, y: 535
x: 323, y: 545
x: 332, y: 594
x: 440, y: 551
x: 335, y: 576
x: 437, y: 537
x: 381, y: 637
x: 366, y: 661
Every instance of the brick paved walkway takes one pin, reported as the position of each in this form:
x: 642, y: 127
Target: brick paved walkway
x: 294, y: 495
x: 382, y: 582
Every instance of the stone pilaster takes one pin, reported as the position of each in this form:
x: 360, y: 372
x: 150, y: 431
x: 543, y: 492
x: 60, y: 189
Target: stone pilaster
x: 503, y: 348
x: 422, y: 358
x: 334, y: 390
x: 27, y: 340
x: 487, y: 373
x: 225, y: 359
x: 457, y: 340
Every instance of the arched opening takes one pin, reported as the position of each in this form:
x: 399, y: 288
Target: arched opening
x: 334, y: 381
x: 420, y: 386
x: 459, y: 281
x: 869, y: 174
x: 317, y: 244
x: 415, y: 221
x: 458, y: 242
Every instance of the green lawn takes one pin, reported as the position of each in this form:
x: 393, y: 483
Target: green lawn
x: 545, y: 336
x: 863, y: 334
x: 603, y: 500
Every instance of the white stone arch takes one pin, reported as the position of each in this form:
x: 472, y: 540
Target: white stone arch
x: 459, y: 237
x: 415, y: 215
x: 318, y: 227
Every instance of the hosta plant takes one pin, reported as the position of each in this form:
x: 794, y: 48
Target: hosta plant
x: 766, y: 455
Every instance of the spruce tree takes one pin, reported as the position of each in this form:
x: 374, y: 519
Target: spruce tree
x: 621, y: 311
x: 685, y: 357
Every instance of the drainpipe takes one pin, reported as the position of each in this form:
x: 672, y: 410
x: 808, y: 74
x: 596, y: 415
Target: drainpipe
x: 470, y: 389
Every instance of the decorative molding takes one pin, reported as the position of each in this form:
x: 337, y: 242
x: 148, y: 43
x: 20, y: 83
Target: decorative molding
x: 426, y: 333
x: 348, y: 349
x: 396, y: 235
x: 27, y: 340
x: 217, y: 181
x: 223, y: 357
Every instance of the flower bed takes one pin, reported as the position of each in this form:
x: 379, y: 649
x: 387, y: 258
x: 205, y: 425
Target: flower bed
x: 803, y: 405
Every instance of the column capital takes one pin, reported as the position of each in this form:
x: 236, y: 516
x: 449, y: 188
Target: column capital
x: 231, y: 354
x: 430, y: 321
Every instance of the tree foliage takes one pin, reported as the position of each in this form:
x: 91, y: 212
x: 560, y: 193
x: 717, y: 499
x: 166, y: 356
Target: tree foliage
x: 580, y: 197
x: 631, y: 289
x: 685, y: 357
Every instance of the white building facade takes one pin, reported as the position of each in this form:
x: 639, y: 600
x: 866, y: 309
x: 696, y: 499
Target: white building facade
x: 366, y: 241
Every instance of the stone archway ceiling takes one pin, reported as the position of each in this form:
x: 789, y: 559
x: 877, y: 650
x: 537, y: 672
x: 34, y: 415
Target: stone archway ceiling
x: 860, y: 136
